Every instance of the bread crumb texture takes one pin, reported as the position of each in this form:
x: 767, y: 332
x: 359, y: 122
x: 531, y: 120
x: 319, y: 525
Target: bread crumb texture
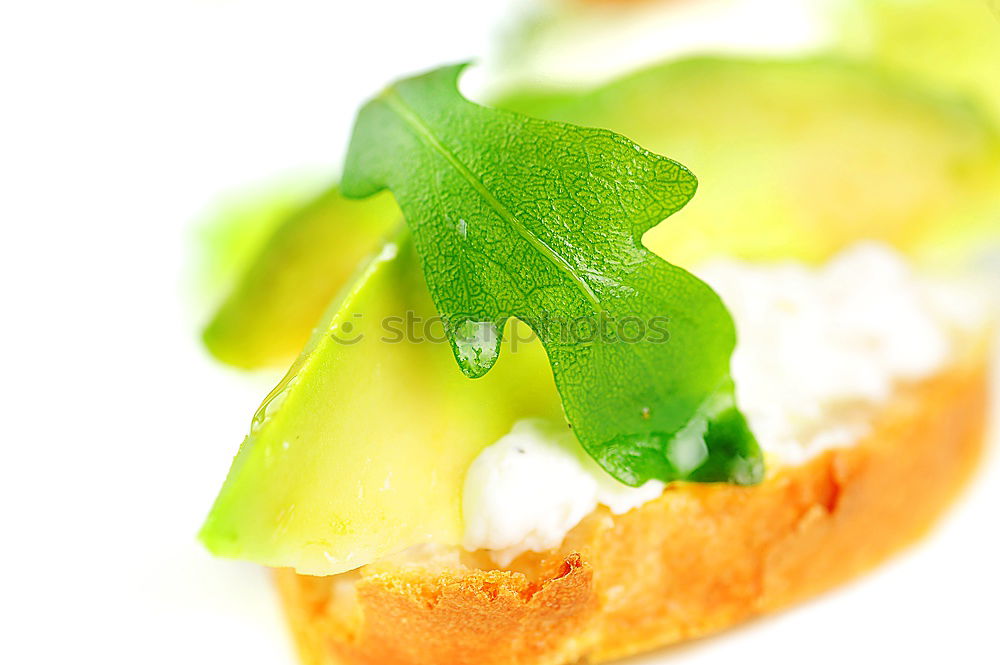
x: 696, y: 560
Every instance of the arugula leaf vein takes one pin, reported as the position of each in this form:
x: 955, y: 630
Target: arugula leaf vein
x: 425, y: 133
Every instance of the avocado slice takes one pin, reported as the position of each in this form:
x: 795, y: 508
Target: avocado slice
x: 361, y: 450
x: 799, y: 158
x: 269, y: 314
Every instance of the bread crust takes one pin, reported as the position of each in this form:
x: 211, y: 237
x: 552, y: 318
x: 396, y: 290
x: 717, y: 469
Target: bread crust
x: 695, y: 561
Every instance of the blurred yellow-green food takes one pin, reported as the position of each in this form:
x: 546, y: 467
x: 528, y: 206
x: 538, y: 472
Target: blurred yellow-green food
x: 281, y: 295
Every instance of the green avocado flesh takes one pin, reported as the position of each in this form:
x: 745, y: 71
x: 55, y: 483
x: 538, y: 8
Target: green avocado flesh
x: 268, y: 316
x: 955, y: 44
x: 800, y: 158
x: 362, y: 449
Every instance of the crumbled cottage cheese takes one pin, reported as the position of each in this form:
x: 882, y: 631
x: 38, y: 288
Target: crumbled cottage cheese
x: 818, y: 351
x: 527, y: 490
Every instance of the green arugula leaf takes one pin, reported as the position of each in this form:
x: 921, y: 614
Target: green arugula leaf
x: 518, y: 217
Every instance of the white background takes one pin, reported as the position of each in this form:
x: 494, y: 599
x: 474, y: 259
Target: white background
x: 121, y: 123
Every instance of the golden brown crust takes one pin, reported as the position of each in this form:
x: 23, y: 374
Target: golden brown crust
x: 697, y: 560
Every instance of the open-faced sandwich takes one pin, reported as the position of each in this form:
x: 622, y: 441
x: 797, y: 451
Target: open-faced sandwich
x: 521, y: 435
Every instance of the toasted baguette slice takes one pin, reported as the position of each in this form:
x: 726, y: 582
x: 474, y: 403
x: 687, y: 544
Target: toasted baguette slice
x: 695, y: 561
